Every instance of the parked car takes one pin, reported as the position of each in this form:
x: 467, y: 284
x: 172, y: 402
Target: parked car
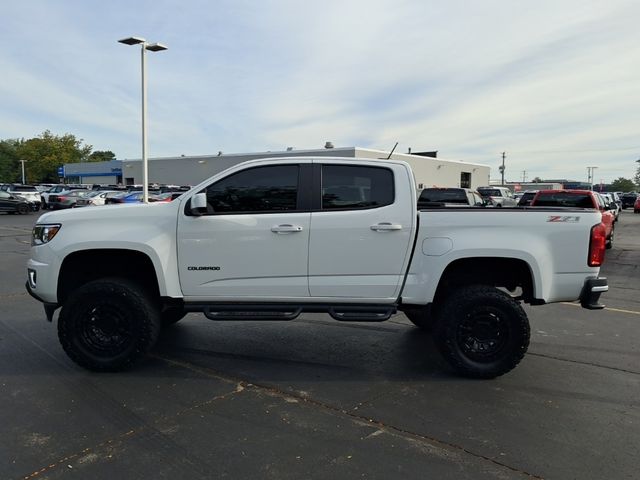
x: 527, y: 196
x: 628, y: 200
x: 498, y: 196
x: 616, y: 198
x: 449, y: 197
x: 167, y: 196
x: 129, y: 197
x: 636, y: 205
x: 611, y: 204
x: 28, y: 192
x: 13, y: 203
x: 54, y: 190
x: 578, y: 199
x: 266, y: 240
x: 96, y: 197
x: 66, y: 199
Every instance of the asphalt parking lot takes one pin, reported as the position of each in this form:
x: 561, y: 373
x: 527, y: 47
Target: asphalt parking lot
x: 315, y: 398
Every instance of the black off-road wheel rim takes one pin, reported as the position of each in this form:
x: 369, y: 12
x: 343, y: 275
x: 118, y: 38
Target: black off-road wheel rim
x: 483, y: 335
x: 106, y: 330
x: 23, y: 209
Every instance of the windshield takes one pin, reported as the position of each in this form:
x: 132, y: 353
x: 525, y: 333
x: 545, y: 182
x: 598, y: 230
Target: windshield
x: 452, y: 195
x: 576, y: 200
x: 489, y: 192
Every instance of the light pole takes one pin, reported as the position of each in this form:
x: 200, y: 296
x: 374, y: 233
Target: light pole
x: 590, y: 174
x: 152, y: 47
x: 22, y: 162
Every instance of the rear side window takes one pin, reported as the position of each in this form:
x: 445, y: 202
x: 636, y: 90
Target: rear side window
x: 263, y: 189
x: 355, y: 187
x: 564, y: 200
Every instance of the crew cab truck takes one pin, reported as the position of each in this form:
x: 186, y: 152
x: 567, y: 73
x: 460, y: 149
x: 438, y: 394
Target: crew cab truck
x: 270, y: 239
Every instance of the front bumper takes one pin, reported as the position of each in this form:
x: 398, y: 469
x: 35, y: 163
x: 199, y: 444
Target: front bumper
x: 49, y: 308
x: 591, y: 291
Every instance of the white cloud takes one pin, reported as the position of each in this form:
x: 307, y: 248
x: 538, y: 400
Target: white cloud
x: 552, y: 83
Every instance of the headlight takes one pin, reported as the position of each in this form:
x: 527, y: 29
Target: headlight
x: 44, y: 233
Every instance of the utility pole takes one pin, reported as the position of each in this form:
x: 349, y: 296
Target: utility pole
x: 524, y: 176
x: 501, y: 167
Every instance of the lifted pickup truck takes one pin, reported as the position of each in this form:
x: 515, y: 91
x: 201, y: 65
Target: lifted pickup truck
x: 270, y: 239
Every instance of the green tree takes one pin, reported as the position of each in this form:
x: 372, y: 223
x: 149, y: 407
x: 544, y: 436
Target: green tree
x: 537, y: 180
x: 623, y: 185
x: 47, y: 152
x: 102, y: 156
x: 9, y: 164
x: 637, y: 177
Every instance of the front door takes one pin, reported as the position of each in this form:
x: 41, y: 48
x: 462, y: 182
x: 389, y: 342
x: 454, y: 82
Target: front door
x: 253, y: 242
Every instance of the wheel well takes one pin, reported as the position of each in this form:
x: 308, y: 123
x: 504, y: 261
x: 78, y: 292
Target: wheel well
x: 81, y: 267
x: 509, y: 273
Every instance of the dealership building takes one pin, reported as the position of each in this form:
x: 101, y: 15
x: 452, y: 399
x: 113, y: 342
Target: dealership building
x: 429, y: 170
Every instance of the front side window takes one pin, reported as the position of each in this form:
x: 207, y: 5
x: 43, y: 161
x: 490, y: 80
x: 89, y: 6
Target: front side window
x: 356, y: 187
x: 268, y: 189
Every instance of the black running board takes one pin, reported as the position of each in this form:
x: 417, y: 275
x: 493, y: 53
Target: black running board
x: 286, y: 311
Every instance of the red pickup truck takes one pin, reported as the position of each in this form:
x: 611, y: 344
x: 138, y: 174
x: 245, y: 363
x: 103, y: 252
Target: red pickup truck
x: 578, y: 199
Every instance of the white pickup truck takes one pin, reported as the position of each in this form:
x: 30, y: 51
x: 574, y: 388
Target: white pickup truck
x: 270, y: 239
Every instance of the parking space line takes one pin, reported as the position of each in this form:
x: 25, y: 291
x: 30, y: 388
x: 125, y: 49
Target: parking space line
x: 611, y: 309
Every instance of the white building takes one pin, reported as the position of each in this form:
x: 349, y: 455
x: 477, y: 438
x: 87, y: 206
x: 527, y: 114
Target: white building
x: 191, y: 170
x: 428, y: 170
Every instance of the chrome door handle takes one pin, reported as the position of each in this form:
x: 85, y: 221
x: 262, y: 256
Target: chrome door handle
x: 386, y: 227
x: 286, y: 228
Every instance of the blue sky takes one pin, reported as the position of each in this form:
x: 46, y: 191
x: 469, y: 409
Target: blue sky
x: 555, y: 84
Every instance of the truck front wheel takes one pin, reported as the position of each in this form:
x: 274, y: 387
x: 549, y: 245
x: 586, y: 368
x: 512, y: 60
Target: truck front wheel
x: 107, y: 324
x: 481, y: 331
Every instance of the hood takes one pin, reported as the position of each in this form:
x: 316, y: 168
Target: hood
x: 110, y: 212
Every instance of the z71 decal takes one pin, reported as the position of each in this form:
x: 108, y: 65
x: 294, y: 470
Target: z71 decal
x: 563, y: 218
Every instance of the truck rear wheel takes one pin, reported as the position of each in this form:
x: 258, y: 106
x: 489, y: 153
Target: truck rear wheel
x: 107, y: 324
x: 482, y: 331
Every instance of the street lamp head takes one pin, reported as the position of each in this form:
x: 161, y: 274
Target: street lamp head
x: 156, y: 47
x: 132, y: 41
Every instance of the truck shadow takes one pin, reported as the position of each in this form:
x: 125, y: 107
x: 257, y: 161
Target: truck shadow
x: 308, y: 348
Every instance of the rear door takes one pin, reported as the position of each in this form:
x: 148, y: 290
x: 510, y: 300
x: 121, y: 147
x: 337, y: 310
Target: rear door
x: 362, y: 227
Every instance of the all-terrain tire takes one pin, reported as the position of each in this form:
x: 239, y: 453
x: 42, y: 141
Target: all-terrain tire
x: 107, y: 324
x: 481, y: 331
